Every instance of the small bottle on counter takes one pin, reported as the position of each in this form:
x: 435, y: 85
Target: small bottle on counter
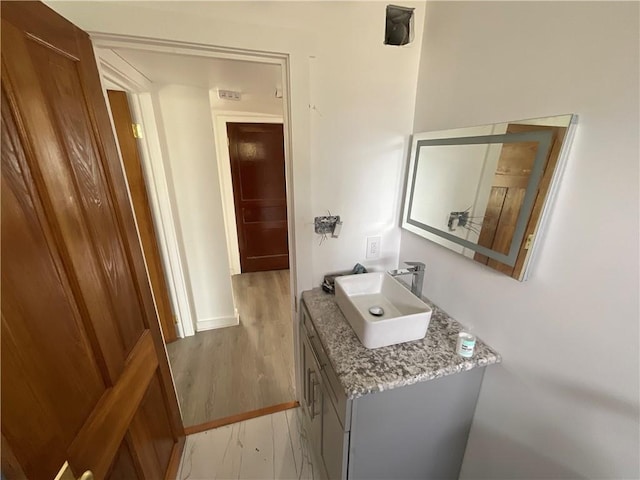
x: 466, y: 344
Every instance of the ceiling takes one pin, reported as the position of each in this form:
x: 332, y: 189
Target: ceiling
x: 256, y: 79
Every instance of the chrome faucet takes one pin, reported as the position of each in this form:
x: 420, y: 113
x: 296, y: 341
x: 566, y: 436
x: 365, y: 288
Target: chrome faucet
x: 416, y: 270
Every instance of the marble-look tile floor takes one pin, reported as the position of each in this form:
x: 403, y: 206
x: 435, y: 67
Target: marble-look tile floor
x: 268, y: 447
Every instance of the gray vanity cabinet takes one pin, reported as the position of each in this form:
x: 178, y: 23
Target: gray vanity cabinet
x: 326, y: 427
x: 417, y: 431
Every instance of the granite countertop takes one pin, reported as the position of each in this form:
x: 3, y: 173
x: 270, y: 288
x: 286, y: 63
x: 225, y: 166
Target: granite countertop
x: 362, y: 371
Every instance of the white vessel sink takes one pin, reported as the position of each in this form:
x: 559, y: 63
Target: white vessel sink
x: 405, y: 316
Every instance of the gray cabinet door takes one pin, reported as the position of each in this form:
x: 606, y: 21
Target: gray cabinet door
x: 414, y: 432
x: 335, y: 441
x: 312, y: 392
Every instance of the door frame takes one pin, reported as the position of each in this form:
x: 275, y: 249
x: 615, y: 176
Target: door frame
x: 220, y: 120
x: 115, y: 73
x: 121, y: 72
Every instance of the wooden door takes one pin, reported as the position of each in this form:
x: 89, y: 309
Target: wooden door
x: 85, y: 377
x: 123, y: 122
x: 256, y: 151
x: 507, y: 196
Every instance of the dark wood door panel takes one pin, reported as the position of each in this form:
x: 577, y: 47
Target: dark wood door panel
x: 83, y: 363
x: 124, y: 467
x: 60, y: 80
x: 11, y: 467
x: 50, y: 170
x: 151, y: 429
x: 258, y: 171
x: 46, y: 362
x: 259, y: 149
x: 264, y: 213
x: 96, y: 444
x: 47, y: 28
x: 267, y: 240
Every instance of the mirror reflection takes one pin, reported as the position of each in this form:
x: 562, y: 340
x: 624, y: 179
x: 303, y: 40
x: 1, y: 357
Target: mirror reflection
x: 481, y: 191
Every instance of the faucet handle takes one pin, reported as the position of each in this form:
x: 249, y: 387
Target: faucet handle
x: 418, y: 265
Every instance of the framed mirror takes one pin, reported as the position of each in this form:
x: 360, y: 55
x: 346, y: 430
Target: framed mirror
x: 485, y: 191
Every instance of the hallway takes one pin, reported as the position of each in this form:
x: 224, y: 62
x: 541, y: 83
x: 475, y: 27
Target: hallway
x: 234, y: 370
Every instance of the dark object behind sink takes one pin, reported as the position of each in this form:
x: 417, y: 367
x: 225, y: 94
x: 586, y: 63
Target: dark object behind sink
x: 328, y: 284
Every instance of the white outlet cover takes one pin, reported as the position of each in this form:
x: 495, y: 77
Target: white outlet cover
x: 373, y: 247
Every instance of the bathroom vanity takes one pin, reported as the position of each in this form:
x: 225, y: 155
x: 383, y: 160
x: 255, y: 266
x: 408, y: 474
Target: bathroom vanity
x: 401, y: 411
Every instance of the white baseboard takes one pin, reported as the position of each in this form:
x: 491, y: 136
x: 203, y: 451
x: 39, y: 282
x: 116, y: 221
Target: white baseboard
x: 218, y: 322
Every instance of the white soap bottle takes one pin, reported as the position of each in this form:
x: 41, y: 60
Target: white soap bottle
x: 466, y: 343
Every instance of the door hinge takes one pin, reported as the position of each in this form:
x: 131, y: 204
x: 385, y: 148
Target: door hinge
x: 137, y: 130
x: 175, y: 319
x: 295, y: 300
x: 527, y: 244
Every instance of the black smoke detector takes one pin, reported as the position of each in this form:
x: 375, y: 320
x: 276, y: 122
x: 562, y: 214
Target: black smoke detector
x: 399, y: 26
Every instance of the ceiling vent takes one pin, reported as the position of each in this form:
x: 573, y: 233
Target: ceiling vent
x: 229, y: 95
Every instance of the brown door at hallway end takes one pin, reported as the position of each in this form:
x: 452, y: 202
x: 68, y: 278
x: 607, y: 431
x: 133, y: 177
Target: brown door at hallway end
x: 85, y: 378
x: 256, y: 151
x: 131, y: 160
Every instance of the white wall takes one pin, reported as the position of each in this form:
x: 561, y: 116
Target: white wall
x: 351, y: 106
x: 564, y: 404
x: 362, y: 97
x: 256, y: 81
x: 188, y: 130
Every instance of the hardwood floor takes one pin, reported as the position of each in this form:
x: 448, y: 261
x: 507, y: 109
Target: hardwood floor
x: 233, y: 370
